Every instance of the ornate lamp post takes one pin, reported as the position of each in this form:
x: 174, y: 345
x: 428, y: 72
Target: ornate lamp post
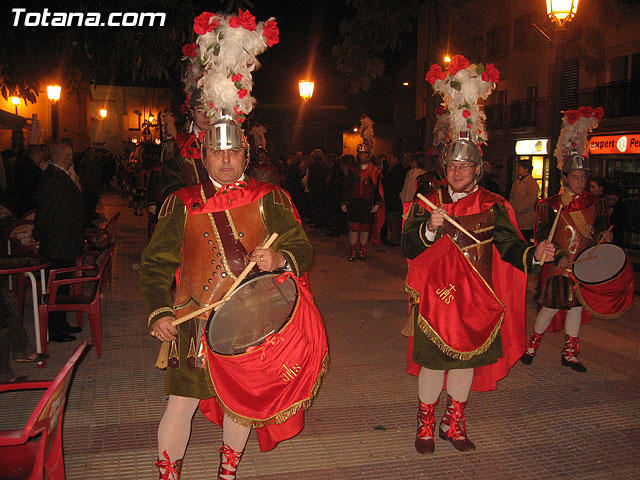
x: 561, y: 12
x: 53, y: 92
x: 306, y: 89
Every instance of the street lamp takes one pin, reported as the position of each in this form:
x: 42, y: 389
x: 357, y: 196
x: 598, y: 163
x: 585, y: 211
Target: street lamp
x: 53, y: 92
x: 15, y: 101
x: 560, y: 12
x: 306, y: 89
x: 447, y: 59
x: 103, y: 113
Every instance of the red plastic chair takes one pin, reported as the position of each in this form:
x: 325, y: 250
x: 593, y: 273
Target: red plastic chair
x: 36, y: 451
x: 88, y: 303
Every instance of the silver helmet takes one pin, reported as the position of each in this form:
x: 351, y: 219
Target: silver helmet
x: 225, y: 134
x: 462, y: 150
x: 575, y: 161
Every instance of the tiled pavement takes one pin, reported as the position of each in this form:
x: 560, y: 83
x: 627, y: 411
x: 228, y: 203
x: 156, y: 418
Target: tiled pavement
x: 543, y: 422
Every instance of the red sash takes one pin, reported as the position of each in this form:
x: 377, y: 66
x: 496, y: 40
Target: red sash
x: 460, y: 312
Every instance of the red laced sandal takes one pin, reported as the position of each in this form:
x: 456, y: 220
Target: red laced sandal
x: 532, y: 346
x: 453, y: 426
x: 570, y: 352
x: 230, y: 458
x: 354, y: 253
x: 172, y: 470
x: 426, y: 425
x: 363, y: 252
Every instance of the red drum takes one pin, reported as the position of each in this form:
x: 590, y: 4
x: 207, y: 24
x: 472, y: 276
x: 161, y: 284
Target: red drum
x: 265, y: 373
x: 604, y: 280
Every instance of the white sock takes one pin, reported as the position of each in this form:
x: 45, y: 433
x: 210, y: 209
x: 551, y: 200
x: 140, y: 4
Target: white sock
x: 175, y: 427
x: 543, y: 320
x: 430, y: 385
x: 573, y: 321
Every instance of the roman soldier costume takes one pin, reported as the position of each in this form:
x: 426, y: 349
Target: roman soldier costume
x: 582, y: 219
x: 467, y: 296
x: 361, y: 199
x: 205, y: 235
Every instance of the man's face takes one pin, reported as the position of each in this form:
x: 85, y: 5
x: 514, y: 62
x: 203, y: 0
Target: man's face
x: 363, y: 157
x: 521, y: 171
x: 595, y: 188
x: 200, y: 117
x: 577, y: 181
x: 462, y: 175
x: 225, y: 166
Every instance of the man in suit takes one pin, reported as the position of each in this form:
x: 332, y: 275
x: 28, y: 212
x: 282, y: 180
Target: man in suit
x: 59, y: 225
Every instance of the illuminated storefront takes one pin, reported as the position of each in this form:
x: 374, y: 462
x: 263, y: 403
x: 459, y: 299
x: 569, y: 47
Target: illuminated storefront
x: 536, y: 150
x: 616, y: 157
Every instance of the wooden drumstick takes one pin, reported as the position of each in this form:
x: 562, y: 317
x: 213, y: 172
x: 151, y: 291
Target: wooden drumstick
x: 163, y: 356
x: 449, y: 219
x: 552, y: 232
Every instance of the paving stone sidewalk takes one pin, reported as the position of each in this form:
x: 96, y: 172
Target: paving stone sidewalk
x: 544, y: 421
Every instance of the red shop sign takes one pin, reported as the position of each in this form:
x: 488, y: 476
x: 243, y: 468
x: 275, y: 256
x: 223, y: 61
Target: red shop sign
x: 614, y: 144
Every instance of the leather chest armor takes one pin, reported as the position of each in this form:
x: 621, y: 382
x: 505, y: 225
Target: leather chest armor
x: 575, y: 232
x: 214, y: 252
x: 481, y: 226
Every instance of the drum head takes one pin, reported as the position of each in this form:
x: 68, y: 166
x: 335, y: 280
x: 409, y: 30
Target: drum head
x: 259, y: 307
x: 599, y: 263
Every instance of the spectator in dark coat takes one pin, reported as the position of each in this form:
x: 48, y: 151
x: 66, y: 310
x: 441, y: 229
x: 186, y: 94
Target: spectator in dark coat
x: 619, y: 217
x: 392, y: 183
x: 90, y: 173
x: 27, y: 173
x: 334, y: 184
x: 59, y: 226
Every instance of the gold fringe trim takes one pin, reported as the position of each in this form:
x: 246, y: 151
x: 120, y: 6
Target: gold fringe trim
x: 283, y: 415
x: 611, y: 316
x: 451, y: 352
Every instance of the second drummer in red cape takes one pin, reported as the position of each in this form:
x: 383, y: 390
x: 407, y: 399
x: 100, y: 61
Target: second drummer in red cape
x: 583, y: 222
x: 434, y: 349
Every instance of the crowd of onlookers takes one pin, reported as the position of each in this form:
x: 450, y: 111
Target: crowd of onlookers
x: 54, y: 191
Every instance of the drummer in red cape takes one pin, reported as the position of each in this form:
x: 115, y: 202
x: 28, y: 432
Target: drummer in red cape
x: 207, y: 233
x: 582, y: 223
x: 467, y: 298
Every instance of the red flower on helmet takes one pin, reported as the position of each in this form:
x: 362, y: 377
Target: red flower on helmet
x: 457, y: 63
x: 244, y: 20
x: 236, y: 78
x: 189, y: 50
x: 205, y: 22
x: 598, y: 112
x: 585, y: 111
x: 572, y: 116
x: 243, y: 92
x: 435, y: 73
x: 439, y: 110
x: 466, y: 113
x: 271, y: 33
x: 490, y: 73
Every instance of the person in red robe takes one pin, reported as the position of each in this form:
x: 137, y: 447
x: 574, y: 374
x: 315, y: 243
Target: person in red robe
x: 468, y: 298
x: 583, y: 221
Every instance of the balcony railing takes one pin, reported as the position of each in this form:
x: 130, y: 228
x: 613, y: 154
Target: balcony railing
x: 618, y: 99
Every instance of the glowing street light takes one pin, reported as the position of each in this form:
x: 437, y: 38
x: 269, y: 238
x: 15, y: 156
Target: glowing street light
x: 447, y: 59
x: 103, y: 113
x: 306, y: 89
x: 15, y: 101
x: 562, y: 11
x: 406, y: 84
x: 151, y: 117
x: 53, y: 92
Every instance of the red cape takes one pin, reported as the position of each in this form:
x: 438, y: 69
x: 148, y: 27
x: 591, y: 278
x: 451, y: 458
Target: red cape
x: 509, y: 284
